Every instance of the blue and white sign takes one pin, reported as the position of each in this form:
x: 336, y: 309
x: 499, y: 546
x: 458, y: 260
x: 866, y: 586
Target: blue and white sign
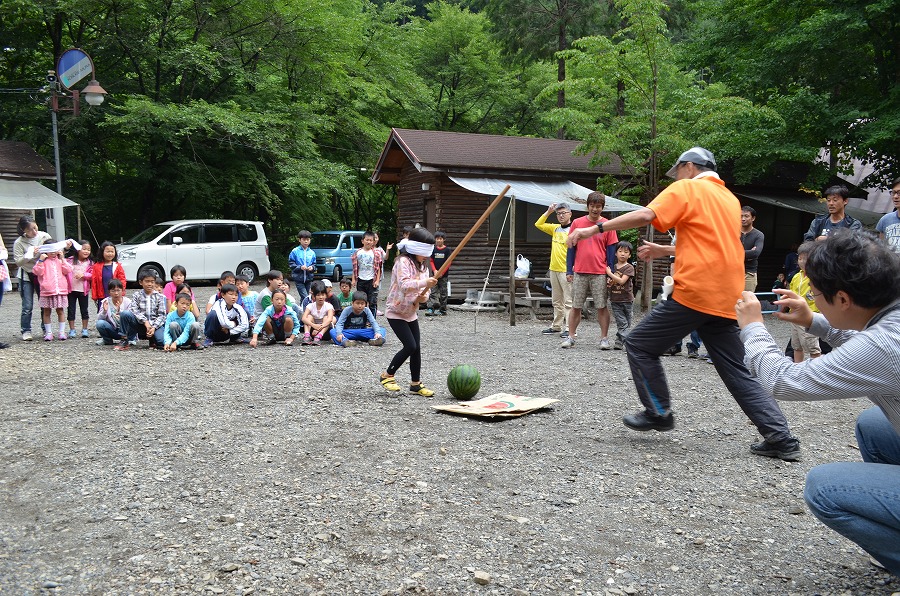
x: 73, y: 66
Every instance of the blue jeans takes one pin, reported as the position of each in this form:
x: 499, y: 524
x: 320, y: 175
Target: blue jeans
x: 861, y: 501
x: 27, y: 289
x: 354, y: 334
x: 135, y: 330
x: 108, y: 333
x: 621, y: 312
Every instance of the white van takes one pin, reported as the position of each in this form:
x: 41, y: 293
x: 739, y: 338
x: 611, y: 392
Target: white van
x: 204, y: 247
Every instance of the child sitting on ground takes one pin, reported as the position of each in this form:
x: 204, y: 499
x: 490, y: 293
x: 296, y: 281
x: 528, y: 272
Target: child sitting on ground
x: 228, y: 278
x: 109, y: 322
x: 178, y: 275
x: 182, y: 328
x: 345, y: 296
x: 246, y: 297
x: 146, y: 316
x: 185, y: 289
x: 293, y: 303
x: 264, y: 299
x: 357, y: 324
x: 331, y: 298
x: 278, y: 321
x: 318, y: 316
x: 226, y: 320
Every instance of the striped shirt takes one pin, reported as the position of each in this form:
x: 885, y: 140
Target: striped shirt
x: 864, y: 364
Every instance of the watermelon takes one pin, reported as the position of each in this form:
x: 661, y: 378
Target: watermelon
x: 464, y: 381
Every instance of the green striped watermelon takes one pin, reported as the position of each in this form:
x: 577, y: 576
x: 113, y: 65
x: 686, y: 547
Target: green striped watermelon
x: 464, y: 381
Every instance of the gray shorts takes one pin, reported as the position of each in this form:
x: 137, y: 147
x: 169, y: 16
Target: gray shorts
x: 801, y: 340
x: 593, y: 284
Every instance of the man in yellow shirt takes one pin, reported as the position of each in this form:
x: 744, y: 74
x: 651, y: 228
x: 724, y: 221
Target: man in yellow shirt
x: 560, y: 283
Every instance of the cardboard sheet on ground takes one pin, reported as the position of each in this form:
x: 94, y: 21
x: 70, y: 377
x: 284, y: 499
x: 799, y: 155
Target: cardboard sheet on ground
x: 498, y: 405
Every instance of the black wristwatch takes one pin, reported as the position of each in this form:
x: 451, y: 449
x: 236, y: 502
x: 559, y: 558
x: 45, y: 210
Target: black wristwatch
x: 600, y: 225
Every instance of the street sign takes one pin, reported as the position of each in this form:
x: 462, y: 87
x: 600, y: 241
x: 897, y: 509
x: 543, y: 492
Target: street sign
x: 73, y: 66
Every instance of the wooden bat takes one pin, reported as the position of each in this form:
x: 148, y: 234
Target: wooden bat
x: 443, y: 270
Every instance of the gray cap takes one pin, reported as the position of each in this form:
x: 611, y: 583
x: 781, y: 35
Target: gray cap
x: 696, y: 155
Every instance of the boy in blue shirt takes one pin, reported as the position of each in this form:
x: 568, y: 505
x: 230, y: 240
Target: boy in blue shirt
x: 302, y: 261
x: 351, y: 327
x: 182, y: 328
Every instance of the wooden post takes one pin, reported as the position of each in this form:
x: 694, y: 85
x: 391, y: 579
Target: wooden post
x: 512, y: 261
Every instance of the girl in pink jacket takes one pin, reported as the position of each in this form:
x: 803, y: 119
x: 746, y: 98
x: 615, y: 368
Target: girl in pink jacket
x: 52, y: 271
x: 410, y: 285
x: 80, y: 282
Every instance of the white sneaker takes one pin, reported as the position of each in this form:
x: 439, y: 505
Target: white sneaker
x: 568, y: 343
x: 26, y: 336
x: 604, y: 343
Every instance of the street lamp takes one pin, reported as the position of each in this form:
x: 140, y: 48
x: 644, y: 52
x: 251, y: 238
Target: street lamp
x: 73, y: 66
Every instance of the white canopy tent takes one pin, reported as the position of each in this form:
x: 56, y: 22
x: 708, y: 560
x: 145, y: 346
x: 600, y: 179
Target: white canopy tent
x: 28, y: 194
x: 541, y: 192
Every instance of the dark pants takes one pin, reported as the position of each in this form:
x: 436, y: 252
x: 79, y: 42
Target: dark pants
x: 80, y: 300
x: 366, y: 285
x: 668, y: 323
x: 438, y: 299
x: 408, y: 334
x: 213, y: 330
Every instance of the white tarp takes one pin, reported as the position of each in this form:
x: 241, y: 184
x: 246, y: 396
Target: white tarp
x: 541, y: 193
x: 28, y: 194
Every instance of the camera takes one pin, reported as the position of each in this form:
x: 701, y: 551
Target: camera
x: 51, y: 76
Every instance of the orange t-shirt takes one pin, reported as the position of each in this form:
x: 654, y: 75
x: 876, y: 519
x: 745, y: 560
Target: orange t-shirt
x: 709, y: 257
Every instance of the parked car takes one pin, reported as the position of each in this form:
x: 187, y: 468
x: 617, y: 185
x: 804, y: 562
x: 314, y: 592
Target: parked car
x: 334, y: 252
x: 205, y: 247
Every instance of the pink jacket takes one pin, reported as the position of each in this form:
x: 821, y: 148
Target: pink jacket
x: 87, y: 271
x: 53, y: 276
x: 403, y: 298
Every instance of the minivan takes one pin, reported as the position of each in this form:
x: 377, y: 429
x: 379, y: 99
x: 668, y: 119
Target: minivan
x: 334, y: 252
x: 204, y: 247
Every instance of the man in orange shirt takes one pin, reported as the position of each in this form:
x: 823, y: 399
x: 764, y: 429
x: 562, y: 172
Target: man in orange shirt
x: 706, y: 218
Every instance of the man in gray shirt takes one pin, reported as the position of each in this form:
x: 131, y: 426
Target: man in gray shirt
x: 753, y: 241
x: 855, y: 282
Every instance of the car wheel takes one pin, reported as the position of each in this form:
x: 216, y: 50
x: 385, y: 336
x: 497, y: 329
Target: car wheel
x: 249, y: 270
x: 156, y: 269
x: 336, y: 274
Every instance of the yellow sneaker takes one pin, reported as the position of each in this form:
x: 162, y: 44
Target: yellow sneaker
x: 390, y: 384
x: 421, y: 389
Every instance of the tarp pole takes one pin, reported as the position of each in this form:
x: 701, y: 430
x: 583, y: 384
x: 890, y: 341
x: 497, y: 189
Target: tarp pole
x: 512, y: 261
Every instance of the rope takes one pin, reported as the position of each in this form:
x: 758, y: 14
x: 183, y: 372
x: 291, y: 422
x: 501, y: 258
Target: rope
x: 491, y: 266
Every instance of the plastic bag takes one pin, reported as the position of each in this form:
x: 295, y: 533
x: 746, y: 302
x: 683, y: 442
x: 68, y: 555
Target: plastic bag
x: 523, y: 267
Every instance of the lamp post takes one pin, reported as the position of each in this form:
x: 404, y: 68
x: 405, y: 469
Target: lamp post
x: 73, y: 66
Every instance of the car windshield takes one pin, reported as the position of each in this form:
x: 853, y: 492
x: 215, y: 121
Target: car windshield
x: 325, y: 240
x: 149, y: 234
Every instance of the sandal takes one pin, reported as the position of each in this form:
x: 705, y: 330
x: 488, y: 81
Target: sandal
x: 421, y: 389
x: 390, y: 384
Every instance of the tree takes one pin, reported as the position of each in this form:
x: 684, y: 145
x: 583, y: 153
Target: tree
x: 831, y: 70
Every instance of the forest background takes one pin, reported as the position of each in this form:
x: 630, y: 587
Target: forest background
x: 277, y: 110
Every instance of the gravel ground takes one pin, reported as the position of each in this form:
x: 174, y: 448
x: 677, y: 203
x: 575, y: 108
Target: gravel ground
x: 237, y: 471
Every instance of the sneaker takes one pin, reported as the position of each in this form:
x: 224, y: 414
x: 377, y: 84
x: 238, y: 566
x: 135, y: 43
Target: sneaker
x: 429, y: 313
x: 709, y: 361
x: 564, y: 334
x: 207, y: 343
x: 376, y: 342
x: 788, y: 450
x: 196, y: 346
x: 3, y: 345
x: 48, y: 337
x: 567, y: 343
x: 271, y: 341
x: 618, y: 345
x: 421, y: 389
x: 85, y: 333
x: 103, y: 342
x: 73, y: 334
x: 443, y: 313
x: 604, y: 343
x: 26, y: 336
x: 316, y: 342
x: 123, y: 345
x: 350, y: 343
x: 673, y: 351
x: 693, y: 353
x: 237, y: 340
x: 549, y: 331
x: 306, y: 339
x: 62, y: 336
x: 644, y: 421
